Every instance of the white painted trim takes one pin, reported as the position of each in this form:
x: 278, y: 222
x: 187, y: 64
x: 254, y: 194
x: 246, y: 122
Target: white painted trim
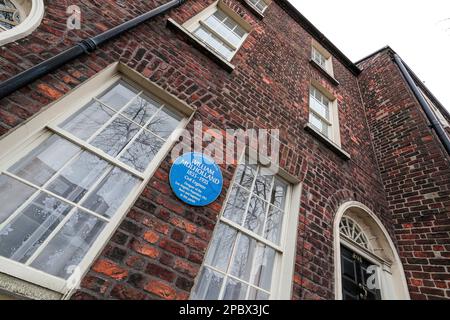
x: 398, y: 279
x: 31, y: 22
x: 198, y: 20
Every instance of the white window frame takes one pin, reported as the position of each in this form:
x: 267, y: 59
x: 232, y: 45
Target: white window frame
x: 17, y: 144
x: 198, y: 20
x: 267, y: 2
x: 334, y: 134
x: 316, y: 47
x: 285, y: 253
x: 28, y: 25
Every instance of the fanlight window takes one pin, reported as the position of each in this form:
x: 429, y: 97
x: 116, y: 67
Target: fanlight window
x: 349, y: 229
x: 9, y: 15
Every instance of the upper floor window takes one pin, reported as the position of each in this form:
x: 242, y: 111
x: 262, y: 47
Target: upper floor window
x: 320, y: 56
x: 323, y: 114
x: 220, y: 29
x: 18, y: 18
x: 259, y: 5
x: 250, y: 240
x: 66, y: 188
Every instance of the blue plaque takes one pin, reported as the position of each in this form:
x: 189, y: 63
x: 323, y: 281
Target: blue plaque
x: 196, y: 179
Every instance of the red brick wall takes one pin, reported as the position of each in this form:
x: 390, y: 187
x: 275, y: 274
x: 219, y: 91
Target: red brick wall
x: 158, y: 249
x: 416, y: 175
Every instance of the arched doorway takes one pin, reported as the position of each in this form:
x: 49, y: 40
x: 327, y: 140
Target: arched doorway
x: 367, y: 266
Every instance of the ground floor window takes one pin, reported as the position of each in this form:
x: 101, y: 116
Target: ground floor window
x: 64, y: 189
x: 249, y: 243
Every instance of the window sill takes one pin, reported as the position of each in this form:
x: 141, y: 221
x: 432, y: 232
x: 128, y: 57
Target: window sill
x: 327, y: 142
x: 200, y: 45
x: 254, y: 10
x: 324, y: 72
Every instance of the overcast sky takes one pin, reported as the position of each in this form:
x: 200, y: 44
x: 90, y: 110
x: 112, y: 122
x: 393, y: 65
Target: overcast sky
x: 418, y: 30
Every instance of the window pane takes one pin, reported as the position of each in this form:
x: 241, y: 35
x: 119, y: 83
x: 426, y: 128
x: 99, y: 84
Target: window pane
x: 12, y: 195
x: 88, y: 120
x: 243, y: 258
x: 319, y: 108
x: 263, y: 185
x: 255, y: 294
x: 76, y: 179
x: 139, y: 154
x: 221, y: 247
x: 254, y: 221
x: 118, y: 96
x: 111, y: 193
x: 116, y: 136
x: 263, y: 267
x: 67, y: 249
x: 235, y: 290
x: 27, y: 231
x: 208, y: 286
x: 278, y: 197
x: 164, y: 123
x: 319, y: 124
x: 274, y: 225
x: 45, y: 160
x: 141, y: 110
x: 214, y: 43
x: 236, y: 205
x: 246, y: 175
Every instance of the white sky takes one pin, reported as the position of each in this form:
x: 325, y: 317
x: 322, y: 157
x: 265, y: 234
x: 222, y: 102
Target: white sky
x: 418, y: 30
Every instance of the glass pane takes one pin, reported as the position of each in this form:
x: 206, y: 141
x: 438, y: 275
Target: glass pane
x: 76, y: 179
x: 139, y: 154
x: 246, y: 175
x: 221, y: 247
x: 27, y: 231
x: 67, y: 249
x: 165, y: 122
x: 263, y: 267
x: 235, y: 290
x: 45, y: 160
x: 254, y: 221
x: 88, y: 120
x: 116, y: 136
x: 242, y: 262
x: 274, y: 225
x: 261, y: 5
x: 278, y: 197
x: 236, y: 205
x: 141, y: 110
x: 319, y: 124
x: 118, y: 96
x: 12, y: 195
x: 320, y: 108
x: 263, y: 185
x: 208, y: 286
x: 214, y: 43
x: 256, y: 294
x: 111, y: 192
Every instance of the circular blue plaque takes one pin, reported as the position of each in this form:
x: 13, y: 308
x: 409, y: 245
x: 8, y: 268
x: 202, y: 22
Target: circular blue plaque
x: 196, y: 179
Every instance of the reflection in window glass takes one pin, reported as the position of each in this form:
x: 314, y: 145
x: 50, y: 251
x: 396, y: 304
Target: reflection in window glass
x: 59, y: 197
x: 237, y: 256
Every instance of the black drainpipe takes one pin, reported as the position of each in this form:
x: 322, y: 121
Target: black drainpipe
x: 435, y: 123
x: 85, y: 46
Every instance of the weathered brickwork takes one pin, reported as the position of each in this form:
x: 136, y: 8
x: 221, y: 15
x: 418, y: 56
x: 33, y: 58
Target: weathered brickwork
x: 416, y: 176
x: 158, y: 249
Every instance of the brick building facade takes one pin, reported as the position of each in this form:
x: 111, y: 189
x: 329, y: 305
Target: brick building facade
x: 376, y: 167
